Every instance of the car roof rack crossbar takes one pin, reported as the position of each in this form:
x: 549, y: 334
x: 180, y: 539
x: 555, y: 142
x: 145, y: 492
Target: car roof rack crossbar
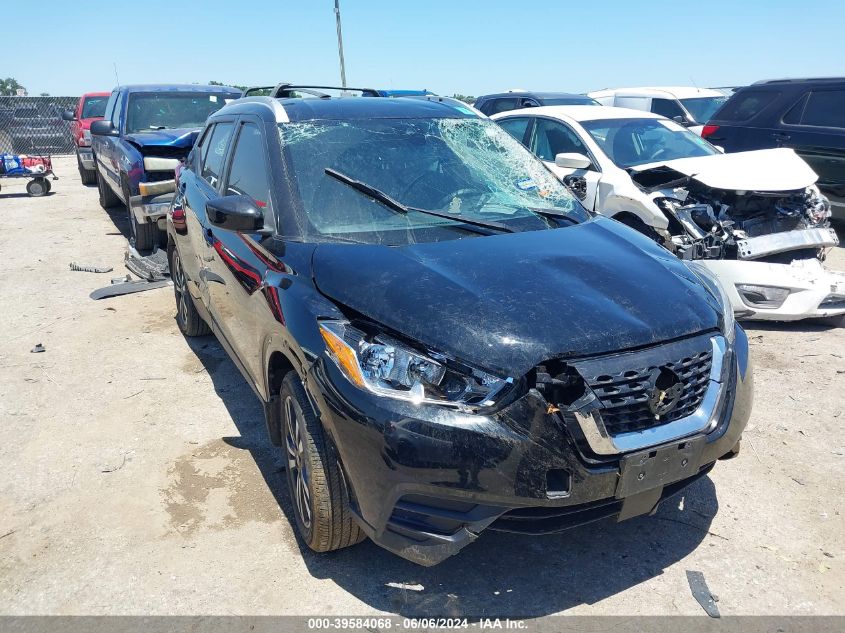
x: 283, y: 90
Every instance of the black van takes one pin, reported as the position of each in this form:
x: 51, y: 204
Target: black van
x: 807, y: 115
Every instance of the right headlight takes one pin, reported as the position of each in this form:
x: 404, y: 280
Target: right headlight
x: 386, y: 367
x: 714, y: 286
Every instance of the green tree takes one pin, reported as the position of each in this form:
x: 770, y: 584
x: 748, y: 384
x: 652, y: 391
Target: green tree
x: 9, y: 87
x: 464, y: 98
x: 220, y: 83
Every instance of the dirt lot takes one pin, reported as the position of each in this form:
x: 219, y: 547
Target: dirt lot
x: 136, y: 477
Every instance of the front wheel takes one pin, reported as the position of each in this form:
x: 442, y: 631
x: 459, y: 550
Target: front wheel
x: 187, y: 317
x: 145, y: 234
x: 315, y: 482
x: 88, y: 176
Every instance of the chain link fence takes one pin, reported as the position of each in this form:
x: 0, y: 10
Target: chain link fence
x: 34, y: 125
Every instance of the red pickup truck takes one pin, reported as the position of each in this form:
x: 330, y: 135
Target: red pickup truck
x: 90, y: 107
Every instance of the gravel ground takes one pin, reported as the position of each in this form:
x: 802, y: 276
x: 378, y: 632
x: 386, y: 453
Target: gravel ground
x: 136, y: 476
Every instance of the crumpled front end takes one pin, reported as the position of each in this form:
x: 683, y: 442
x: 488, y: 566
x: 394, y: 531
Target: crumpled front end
x: 152, y: 183
x: 576, y: 441
x: 767, y: 247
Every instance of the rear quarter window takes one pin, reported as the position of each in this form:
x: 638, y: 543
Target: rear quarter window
x: 825, y: 108
x: 745, y: 105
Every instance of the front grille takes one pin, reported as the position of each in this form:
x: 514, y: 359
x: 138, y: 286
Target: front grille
x: 623, y: 385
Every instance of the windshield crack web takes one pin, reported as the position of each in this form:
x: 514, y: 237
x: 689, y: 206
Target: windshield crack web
x: 465, y: 167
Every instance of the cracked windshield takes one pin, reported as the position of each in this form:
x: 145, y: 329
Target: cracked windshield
x: 468, y: 170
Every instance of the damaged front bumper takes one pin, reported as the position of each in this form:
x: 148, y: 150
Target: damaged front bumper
x: 800, y: 290
x: 151, y: 208
x: 424, y: 481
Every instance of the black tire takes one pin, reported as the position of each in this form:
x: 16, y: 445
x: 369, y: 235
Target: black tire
x: 146, y: 235
x: 316, y: 485
x: 38, y: 187
x: 88, y: 176
x: 108, y: 198
x: 187, y: 317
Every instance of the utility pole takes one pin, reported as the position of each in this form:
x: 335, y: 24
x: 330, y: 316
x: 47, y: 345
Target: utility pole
x: 340, y: 44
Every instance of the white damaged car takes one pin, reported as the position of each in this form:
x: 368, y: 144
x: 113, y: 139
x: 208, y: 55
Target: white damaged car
x: 756, y: 219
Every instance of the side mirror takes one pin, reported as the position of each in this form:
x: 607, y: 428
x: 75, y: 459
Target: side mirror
x: 235, y: 213
x: 67, y: 115
x: 682, y: 120
x: 572, y: 161
x: 103, y: 128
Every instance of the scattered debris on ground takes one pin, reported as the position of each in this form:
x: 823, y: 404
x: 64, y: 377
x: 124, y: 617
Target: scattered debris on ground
x: 90, y: 269
x: 702, y: 593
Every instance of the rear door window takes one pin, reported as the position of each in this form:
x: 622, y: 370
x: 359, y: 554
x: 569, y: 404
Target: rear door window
x: 214, y: 153
x: 516, y: 127
x: 745, y: 105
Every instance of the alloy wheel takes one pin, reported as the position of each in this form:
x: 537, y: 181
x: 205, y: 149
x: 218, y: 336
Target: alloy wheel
x: 297, y: 461
x: 178, y: 276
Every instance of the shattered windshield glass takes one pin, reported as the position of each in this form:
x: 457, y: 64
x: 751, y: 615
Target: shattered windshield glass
x: 632, y: 142
x: 465, y: 167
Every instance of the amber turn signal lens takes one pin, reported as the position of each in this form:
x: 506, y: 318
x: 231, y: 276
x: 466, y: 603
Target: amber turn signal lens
x: 344, y: 356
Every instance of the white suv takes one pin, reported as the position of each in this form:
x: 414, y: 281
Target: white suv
x: 691, y: 107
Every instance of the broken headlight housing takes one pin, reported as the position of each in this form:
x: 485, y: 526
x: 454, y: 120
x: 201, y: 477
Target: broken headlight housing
x: 717, y: 290
x: 387, y: 367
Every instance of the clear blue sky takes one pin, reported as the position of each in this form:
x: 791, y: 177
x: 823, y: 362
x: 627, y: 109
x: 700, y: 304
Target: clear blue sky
x: 467, y: 46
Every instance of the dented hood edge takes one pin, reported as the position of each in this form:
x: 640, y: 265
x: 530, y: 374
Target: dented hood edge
x: 182, y: 138
x: 779, y: 169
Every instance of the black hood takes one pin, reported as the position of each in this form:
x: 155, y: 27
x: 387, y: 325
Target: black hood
x: 506, y: 302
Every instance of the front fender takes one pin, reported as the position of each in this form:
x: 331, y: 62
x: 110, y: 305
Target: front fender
x: 130, y: 164
x: 638, y: 204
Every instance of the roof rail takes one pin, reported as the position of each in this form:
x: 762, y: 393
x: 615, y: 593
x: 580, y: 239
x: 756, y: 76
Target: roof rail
x: 283, y: 90
x: 796, y: 80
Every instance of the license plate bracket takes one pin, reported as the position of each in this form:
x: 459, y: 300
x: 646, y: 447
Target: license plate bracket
x: 659, y: 466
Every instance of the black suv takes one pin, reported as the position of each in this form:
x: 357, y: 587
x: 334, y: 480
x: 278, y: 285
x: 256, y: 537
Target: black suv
x: 443, y: 339
x: 506, y: 101
x: 807, y: 115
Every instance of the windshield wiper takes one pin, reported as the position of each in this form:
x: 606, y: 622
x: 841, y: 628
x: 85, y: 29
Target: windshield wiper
x: 556, y: 215
x: 398, y: 207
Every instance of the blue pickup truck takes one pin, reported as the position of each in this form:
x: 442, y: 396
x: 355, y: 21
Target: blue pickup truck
x: 147, y: 130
